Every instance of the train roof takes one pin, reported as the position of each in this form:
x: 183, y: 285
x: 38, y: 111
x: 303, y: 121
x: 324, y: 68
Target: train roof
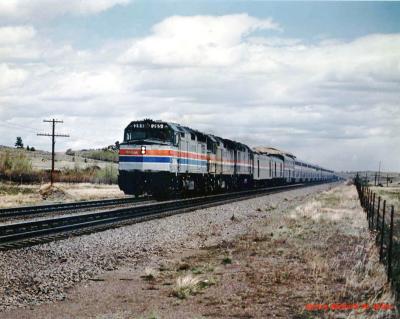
x: 274, y: 152
x: 226, y: 142
x: 271, y: 151
x: 310, y: 165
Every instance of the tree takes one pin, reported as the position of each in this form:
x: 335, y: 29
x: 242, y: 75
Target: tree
x: 18, y: 143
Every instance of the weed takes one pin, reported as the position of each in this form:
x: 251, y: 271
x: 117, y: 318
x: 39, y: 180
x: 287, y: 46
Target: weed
x: 185, y: 286
x: 269, y: 208
x: 197, y: 270
x: 202, y: 269
x: 227, y: 260
x: 285, y: 275
x: 183, y: 266
x: 153, y: 316
x: 276, y: 277
x: 257, y: 237
x: 207, y: 283
x: 163, y: 267
x: 149, y: 274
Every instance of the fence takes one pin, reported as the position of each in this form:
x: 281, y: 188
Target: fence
x: 383, y: 223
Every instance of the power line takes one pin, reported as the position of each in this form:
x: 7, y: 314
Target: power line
x: 53, y: 142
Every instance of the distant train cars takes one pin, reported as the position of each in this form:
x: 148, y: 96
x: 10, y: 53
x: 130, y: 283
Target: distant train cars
x: 163, y: 159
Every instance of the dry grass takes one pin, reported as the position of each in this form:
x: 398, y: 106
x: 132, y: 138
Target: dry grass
x: 16, y: 166
x: 150, y: 274
x: 87, y: 191
x: 336, y: 207
x: 390, y: 194
x: 12, y: 195
x: 185, y: 286
x: 344, y: 246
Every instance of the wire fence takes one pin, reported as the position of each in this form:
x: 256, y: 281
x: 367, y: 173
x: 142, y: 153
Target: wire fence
x: 385, y: 225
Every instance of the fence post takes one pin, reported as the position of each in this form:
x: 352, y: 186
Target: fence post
x: 364, y: 194
x: 377, y: 213
x: 369, y: 208
x: 372, y: 211
x: 364, y: 198
x: 382, y: 230
x: 369, y: 200
x: 390, y: 245
x: 361, y: 196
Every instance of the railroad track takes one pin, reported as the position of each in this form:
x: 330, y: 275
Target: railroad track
x: 51, y: 208
x: 30, y: 233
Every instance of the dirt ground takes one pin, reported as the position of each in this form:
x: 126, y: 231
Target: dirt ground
x: 13, y: 195
x: 318, y: 253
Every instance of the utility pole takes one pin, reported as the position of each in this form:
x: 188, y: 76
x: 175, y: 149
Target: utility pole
x: 53, y: 142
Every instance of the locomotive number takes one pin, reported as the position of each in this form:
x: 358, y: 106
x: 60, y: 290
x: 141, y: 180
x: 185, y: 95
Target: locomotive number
x: 153, y: 125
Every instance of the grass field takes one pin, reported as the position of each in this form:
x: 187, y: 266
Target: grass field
x: 390, y: 194
x: 20, y: 165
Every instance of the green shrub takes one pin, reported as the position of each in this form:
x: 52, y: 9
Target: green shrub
x: 107, y: 175
x: 5, y: 162
x: 21, y: 165
x: 15, y: 165
x: 101, y: 155
x: 18, y: 168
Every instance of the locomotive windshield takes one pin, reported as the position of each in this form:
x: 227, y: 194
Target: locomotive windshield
x: 148, y: 131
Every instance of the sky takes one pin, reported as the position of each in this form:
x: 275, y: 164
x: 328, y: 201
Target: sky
x: 318, y: 79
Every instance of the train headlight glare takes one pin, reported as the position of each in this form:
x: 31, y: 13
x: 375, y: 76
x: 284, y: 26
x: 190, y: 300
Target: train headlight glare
x: 143, y: 151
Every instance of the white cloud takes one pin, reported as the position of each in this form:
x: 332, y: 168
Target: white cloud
x: 198, y: 40
x: 332, y: 102
x: 10, y: 77
x: 39, y: 9
x: 16, y: 34
x: 85, y: 84
x: 19, y: 42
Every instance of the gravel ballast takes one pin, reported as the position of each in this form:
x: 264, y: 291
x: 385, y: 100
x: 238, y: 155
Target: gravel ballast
x: 43, y: 273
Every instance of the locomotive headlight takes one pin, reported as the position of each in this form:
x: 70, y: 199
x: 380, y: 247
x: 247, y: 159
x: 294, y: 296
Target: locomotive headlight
x: 143, y: 150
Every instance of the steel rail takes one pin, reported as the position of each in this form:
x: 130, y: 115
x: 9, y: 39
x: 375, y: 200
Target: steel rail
x: 50, y: 208
x: 34, y: 232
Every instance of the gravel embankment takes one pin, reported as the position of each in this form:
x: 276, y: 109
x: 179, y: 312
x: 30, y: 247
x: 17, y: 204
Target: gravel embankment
x: 42, y: 273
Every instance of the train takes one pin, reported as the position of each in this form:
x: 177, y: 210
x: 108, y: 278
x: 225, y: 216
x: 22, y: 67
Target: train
x: 165, y: 159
